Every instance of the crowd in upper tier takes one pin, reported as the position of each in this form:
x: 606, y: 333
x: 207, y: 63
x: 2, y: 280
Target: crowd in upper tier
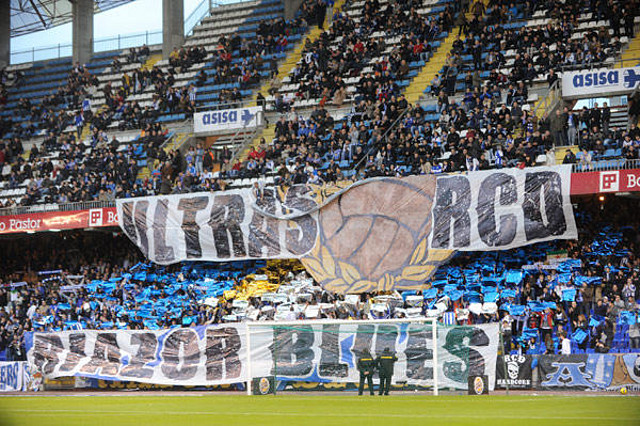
x: 320, y: 150
x: 486, y: 123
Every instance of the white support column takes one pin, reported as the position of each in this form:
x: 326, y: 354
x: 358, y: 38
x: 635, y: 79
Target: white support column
x: 434, y: 324
x: 5, y: 34
x: 249, y: 372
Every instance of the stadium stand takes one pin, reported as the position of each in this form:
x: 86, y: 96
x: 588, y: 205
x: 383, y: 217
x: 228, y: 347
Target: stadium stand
x: 121, y: 92
x: 99, y: 281
x: 84, y: 132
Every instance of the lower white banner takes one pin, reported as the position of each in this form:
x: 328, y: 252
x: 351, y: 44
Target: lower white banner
x: 14, y: 376
x: 212, y: 355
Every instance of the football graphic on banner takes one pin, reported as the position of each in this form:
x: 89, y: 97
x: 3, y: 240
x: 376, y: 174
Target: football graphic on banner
x: 380, y: 234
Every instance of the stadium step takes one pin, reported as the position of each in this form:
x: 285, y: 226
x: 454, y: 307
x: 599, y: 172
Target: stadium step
x: 86, y: 132
x: 153, y: 59
x: 295, y: 55
x: 562, y: 150
x: 415, y: 90
x: 175, y: 143
x: 545, y: 103
x: 283, y: 70
x: 630, y: 55
x: 291, y: 60
x: 632, y: 52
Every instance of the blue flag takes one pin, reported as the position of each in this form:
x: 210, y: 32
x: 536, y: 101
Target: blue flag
x: 516, y: 310
x: 579, y: 336
x: 569, y: 295
x: 627, y: 317
x: 508, y: 293
x: 430, y: 293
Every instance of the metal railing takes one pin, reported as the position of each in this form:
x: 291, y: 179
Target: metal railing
x: 64, y: 207
x: 199, y: 13
x: 550, y: 101
x: 619, y: 62
x: 246, y: 140
x: 186, y: 127
x: 224, y: 105
x: 605, y: 165
x: 121, y: 41
x: 383, y: 138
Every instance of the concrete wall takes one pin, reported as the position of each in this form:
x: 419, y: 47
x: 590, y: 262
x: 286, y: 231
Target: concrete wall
x: 82, y: 31
x: 5, y: 34
x: 172, y: 25
x: 291, y: 7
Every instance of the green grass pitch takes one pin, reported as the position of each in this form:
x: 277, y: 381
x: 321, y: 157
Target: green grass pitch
x: 301, y: 409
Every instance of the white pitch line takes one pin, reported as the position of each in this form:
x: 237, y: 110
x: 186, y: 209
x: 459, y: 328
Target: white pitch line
x: 349, y: 397
x: 42, y: 412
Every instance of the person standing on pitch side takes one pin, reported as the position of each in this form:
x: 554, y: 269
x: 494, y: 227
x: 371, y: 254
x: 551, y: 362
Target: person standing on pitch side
x: 385, y: 369
x: 366, y: 366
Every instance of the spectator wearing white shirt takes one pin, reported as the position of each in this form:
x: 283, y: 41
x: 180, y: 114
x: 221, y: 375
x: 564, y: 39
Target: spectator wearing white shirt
x: 566, y: 345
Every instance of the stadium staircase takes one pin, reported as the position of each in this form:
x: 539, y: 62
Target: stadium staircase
x: 414, y: 92
x: 560, y: 152
x: 292, y: 59
x: 175, y: 142
x: 632, y: 52
x: 295, y: 56
x: 153, y: 59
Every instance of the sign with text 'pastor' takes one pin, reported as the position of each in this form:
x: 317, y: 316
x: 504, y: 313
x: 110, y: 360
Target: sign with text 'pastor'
x: 58, y: 220
x: 375, y: 235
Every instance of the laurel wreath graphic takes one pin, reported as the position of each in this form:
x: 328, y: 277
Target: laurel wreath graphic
x: 343, y: 277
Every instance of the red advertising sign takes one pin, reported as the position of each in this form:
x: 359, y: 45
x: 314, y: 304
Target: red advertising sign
x: 48, y: 221
x: 627, y: 180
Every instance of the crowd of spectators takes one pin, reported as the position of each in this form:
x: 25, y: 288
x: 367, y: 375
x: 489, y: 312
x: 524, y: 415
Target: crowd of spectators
x: 589, y: 129
x: 318, y: 150
x: 346, y: 48
x: 392, y: 138
x: 107, y: 172
x: 64, y: 170
x: 81, y: 280
x: 490, y: 126
x: 540, y: 51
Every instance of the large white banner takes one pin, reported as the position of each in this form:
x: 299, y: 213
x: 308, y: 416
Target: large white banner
x: 378, y: 234
x: 14, y: 376
x: 226, y: 119
x: 211, y: 355
x: 222, y: 226
x: 329, y: 353
x: 502, y: 209
x: 603, y: 81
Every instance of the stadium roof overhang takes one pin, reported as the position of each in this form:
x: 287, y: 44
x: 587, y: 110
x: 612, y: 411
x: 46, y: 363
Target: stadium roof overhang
x: 29, y: 16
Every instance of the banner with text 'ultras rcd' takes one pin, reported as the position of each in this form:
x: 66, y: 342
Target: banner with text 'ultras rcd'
x: 374, y: 235
x: 212, y: 355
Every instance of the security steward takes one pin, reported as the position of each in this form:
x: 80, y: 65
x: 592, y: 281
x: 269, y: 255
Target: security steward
x: 366, y: 366
x: 385, y: 369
